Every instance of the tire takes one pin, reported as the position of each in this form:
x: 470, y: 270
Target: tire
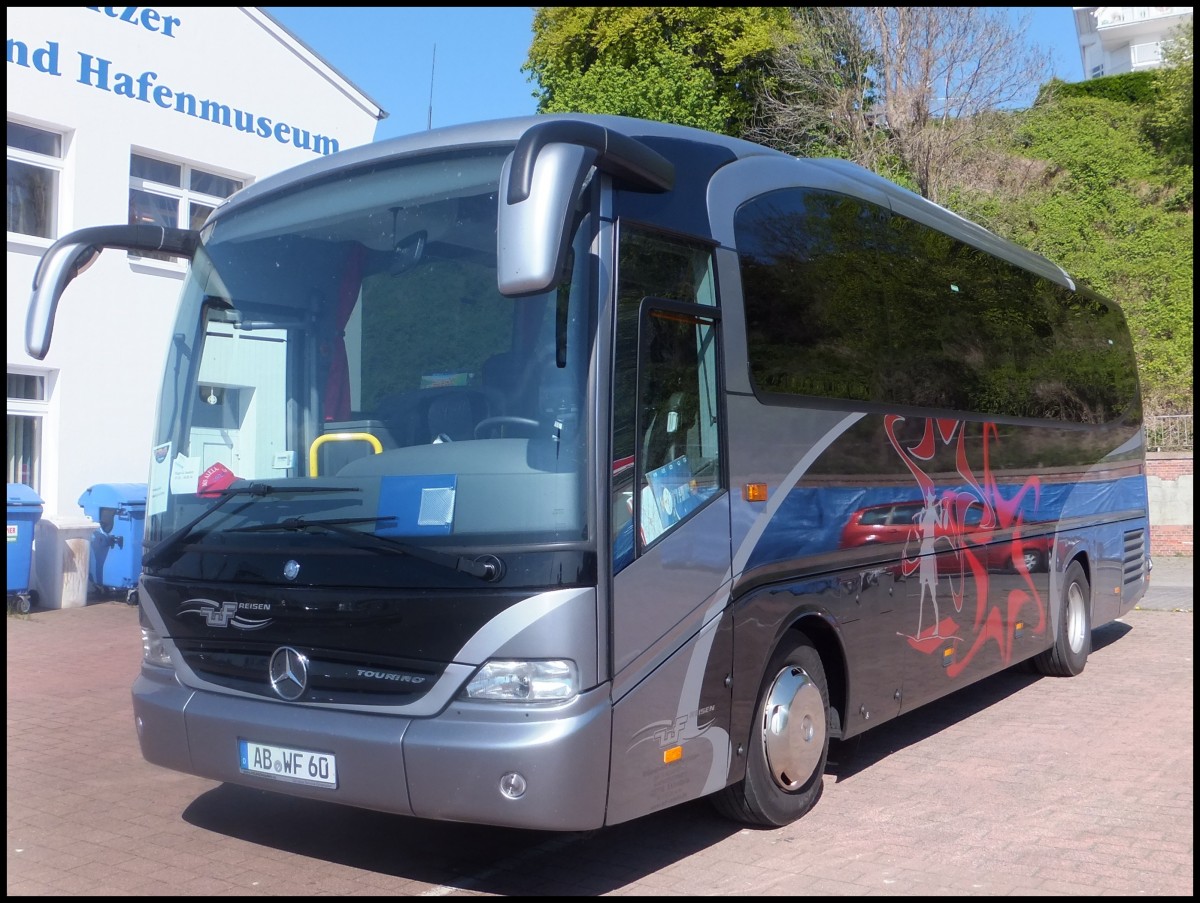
x: 1073, y: 640
x: 788, y: 745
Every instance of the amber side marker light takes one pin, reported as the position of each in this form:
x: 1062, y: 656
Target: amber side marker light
x: 674, y: 754
x: 755, y: 492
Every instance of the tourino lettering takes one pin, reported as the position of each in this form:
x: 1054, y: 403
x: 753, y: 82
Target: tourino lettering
x: 388, y: 675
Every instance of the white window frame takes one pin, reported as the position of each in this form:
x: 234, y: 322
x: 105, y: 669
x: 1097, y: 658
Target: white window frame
x: 55, y: 165
x: 183, y: 197
x: 38, y: 409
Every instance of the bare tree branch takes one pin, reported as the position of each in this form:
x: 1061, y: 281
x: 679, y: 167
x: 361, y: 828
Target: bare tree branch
x: 821, y: 98
x: 905, y: 84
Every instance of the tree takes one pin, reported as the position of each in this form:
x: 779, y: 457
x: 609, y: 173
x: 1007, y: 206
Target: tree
x: 821, y: 98
x: 1104, y: 207
x: 694, y: 66
x: 900, y: 87
x: 1171, y: 119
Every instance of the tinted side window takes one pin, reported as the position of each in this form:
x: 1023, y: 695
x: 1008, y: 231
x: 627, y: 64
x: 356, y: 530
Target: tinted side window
x: 934, y: 287
x: 665, y: 426
x: 815, y: 314
x: 845, y: 300
x: 1091, y: 375
x: 975, y: 333
x: 651, y: 265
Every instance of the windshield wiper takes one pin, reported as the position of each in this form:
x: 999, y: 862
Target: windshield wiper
x: 172, y: 542
x: 486, y: 567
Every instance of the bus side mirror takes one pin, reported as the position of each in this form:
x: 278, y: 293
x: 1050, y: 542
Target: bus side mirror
x: 74, y: 253
x: 61, y: 263
x: 540, y: 183
x: 532, y: 231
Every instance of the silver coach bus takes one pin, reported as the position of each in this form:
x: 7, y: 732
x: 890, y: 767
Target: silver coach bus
x: 552, y: 471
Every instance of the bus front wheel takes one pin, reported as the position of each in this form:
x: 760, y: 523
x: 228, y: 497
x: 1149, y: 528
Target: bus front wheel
x: 789, y: 743
x: 1073, y: 639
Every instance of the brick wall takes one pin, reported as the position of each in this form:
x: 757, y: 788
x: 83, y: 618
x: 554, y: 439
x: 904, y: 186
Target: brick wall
x: 1169, y: 477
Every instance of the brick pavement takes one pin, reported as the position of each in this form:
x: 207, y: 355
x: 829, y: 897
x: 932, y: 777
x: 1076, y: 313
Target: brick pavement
x: 1019, y: 785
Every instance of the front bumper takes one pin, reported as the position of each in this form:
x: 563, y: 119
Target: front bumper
x: 447, y: 767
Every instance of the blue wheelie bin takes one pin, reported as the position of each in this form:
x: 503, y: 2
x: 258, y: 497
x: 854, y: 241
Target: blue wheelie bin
x: 24, y: 511
x: 116, y: 555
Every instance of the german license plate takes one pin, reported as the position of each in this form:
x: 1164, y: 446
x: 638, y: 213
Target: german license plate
x: 283, y: 763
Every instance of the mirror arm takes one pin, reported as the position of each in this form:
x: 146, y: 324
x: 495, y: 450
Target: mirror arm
x: 75, y: 252
x: 627, y: 159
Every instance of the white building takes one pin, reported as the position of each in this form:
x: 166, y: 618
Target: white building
x: 144, y: 114
x: 1118, y: 39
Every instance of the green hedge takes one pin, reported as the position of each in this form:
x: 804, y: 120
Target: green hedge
x: 1129, y: 87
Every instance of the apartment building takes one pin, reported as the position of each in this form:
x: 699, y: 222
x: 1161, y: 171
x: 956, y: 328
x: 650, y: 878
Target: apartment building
x: 1118, y: 39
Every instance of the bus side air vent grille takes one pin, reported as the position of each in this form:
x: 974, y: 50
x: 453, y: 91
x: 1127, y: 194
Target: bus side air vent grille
x: 1135, y: 556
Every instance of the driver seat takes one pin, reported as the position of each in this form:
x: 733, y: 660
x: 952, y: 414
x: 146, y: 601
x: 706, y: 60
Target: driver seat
x: 453, y: 415
x: 508, y: 379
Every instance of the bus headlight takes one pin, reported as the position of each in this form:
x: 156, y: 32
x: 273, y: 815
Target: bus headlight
x: 555, y: 680
x: 154, y: 651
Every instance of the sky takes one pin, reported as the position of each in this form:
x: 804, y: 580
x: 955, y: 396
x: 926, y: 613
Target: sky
x: 438, y: 66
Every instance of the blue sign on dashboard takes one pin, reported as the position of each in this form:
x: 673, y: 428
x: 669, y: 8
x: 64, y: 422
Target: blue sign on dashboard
x: 417, y: 505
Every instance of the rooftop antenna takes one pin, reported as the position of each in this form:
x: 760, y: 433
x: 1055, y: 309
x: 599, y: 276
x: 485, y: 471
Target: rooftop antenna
x: 429, y: 122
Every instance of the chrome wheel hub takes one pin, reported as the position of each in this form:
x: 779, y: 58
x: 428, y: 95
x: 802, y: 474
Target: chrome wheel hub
x: 793, y: 728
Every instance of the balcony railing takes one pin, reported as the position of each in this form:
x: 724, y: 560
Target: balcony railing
x: 1146, y: 54
x: 1108, y: 16
x: 1169, y: 432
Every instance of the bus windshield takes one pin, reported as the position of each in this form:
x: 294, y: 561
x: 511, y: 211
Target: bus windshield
x: 348, y: 335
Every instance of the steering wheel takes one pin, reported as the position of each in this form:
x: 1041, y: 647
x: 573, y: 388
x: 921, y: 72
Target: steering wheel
x: 488, y: 423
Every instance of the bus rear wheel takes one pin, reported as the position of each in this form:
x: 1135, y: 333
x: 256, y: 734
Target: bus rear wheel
x: 789, y: 743
x: 1073, y: 639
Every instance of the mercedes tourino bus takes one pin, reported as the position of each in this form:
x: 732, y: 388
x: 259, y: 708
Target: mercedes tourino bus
x: 502, y: 473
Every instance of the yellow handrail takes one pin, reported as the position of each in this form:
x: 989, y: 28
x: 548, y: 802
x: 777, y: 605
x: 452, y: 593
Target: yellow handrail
x: 338, y: 437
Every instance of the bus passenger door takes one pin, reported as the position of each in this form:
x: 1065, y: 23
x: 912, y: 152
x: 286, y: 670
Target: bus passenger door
x: 671, y: 638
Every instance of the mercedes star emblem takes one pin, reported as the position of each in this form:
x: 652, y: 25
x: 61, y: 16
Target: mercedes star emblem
x: 289, y: 673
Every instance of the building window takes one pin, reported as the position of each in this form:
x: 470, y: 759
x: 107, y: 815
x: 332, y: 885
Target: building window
x: 172, y: 194
x: 26, y: 409
x: 34, y: 167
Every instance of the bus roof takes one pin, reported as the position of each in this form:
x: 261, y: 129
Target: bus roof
x: 501, y: 131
